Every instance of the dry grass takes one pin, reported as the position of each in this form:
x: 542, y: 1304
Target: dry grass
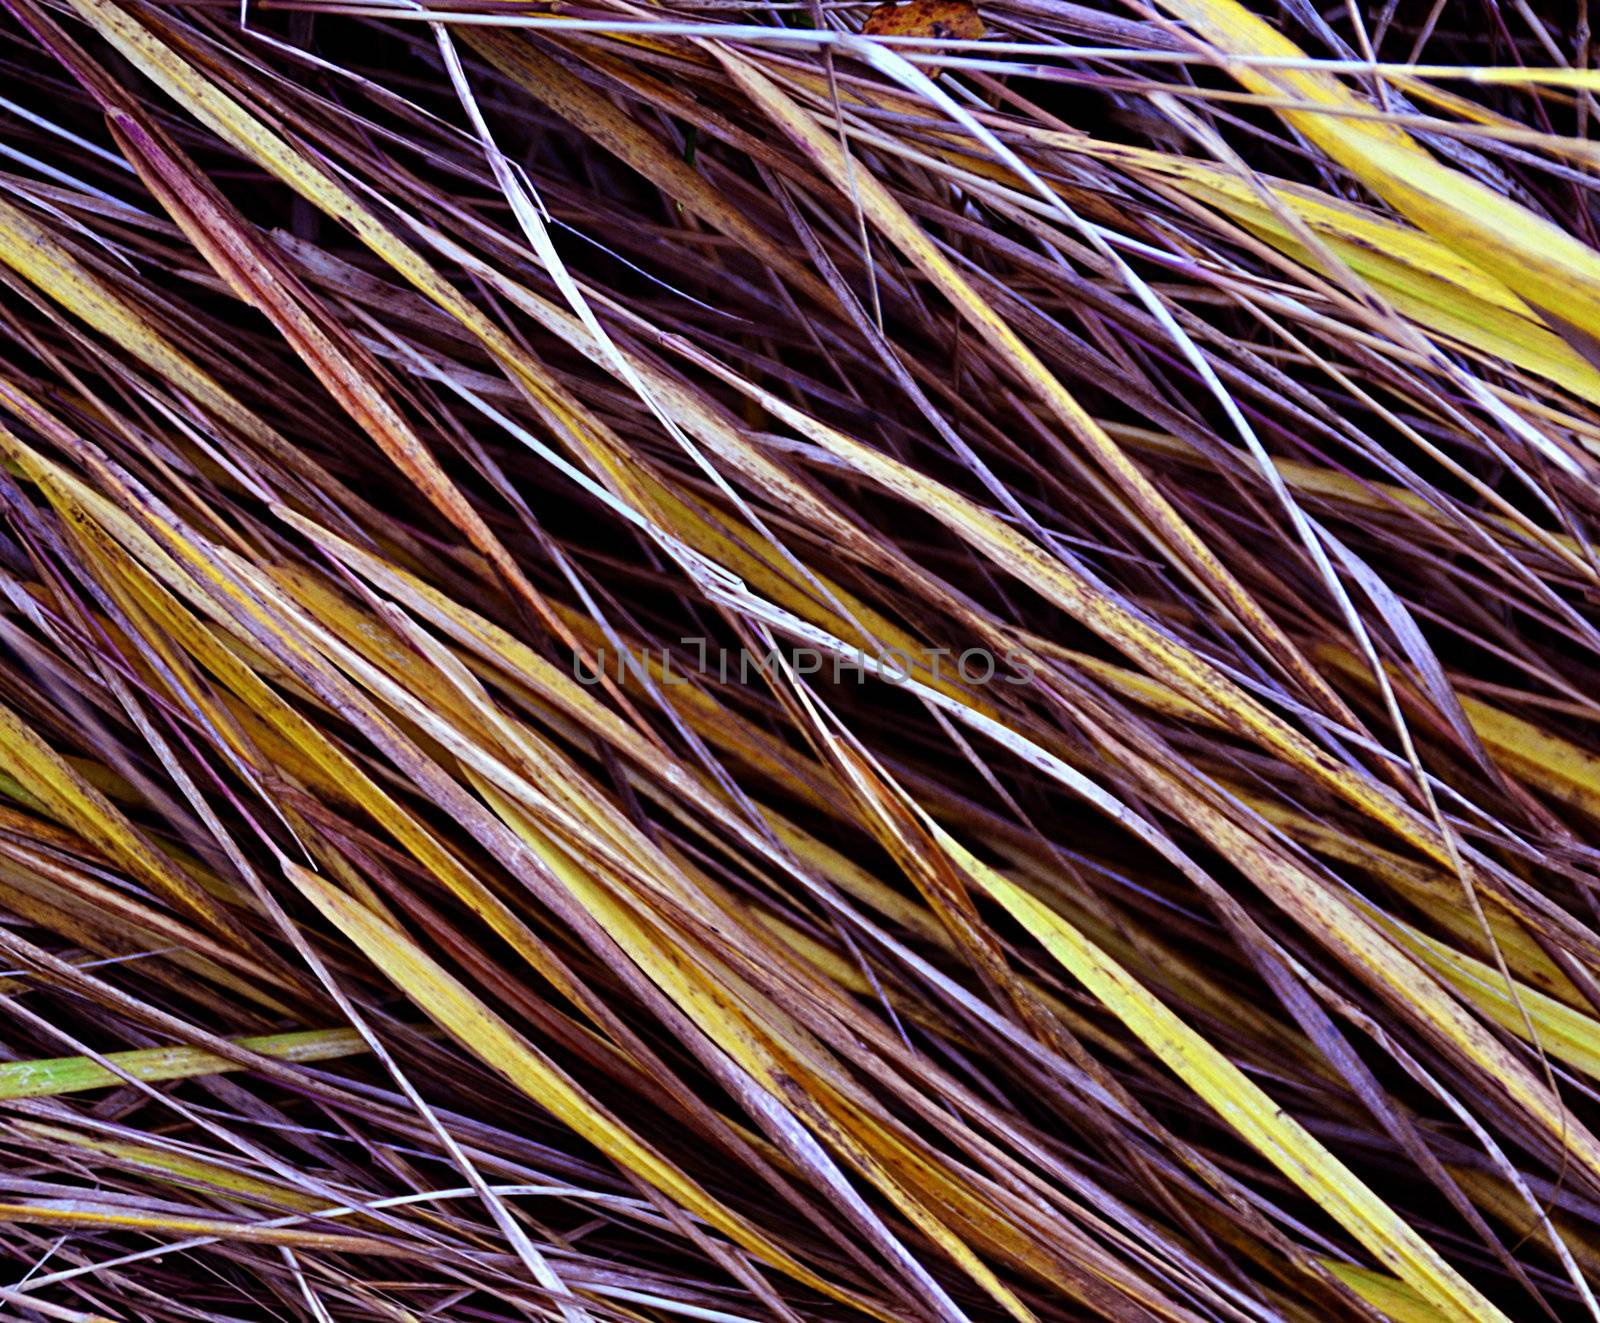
x: 1098, y: 820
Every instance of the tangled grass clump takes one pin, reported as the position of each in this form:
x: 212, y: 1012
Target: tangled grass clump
x: 799, y: 662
